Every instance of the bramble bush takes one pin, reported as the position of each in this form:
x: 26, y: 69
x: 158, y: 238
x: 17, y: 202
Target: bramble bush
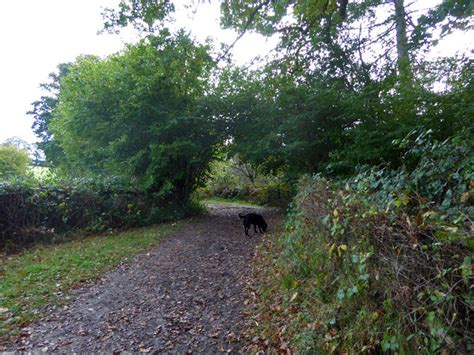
x: 32, y: 211
x: 382, y: 261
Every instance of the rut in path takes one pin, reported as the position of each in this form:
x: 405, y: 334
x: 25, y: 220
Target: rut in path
x: 185, y: 295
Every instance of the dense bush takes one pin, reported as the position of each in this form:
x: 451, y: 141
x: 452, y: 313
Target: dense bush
x: 13, y: 162
x: 29, y: 212
x: 143, y: 114
x: 382, y: 261
x: 436, y: 176
x: 233, y: 179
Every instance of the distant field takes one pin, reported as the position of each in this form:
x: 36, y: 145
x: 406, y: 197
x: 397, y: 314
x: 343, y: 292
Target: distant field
x: 228, y: 202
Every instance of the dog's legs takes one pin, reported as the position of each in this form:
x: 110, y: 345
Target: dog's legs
x: 255, y: 228
x: 260, y: 229
x: 246, y: 230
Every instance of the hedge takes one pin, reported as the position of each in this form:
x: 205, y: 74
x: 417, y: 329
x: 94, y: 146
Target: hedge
x: 32, y: 212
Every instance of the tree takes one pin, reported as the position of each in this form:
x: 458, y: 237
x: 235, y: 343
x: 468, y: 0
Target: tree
x: 42, y: 113
x: 282, y: 125
x: 14, y: 162
x: 144, y: 15
x: 143, y: 114
x: 20, y: 143
x: 317, y: 32
x: 349, y: 78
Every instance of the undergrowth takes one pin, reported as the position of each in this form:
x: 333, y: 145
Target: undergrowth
x: 381, y: 262
x: 234, y: 180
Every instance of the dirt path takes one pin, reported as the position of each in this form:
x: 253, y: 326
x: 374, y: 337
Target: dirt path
x: 186, y: 295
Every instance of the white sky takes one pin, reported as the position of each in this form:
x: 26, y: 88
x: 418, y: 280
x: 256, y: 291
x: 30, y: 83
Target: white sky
x: 37, y: 35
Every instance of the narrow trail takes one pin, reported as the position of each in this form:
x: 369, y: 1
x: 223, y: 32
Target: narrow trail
x: 185, y: 295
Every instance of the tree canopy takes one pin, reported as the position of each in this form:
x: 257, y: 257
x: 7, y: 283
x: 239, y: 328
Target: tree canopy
x: 142, y: 113
x: 14, y: 162
x: 349, y: 80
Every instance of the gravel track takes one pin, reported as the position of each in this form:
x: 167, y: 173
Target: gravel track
x: 185, y: 295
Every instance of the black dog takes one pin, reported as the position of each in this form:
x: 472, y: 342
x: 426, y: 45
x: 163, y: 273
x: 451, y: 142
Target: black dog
x: 255, y: 219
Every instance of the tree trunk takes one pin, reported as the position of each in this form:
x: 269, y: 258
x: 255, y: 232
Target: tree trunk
x: 403, y: 56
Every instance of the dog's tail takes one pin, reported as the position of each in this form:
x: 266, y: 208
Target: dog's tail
x: 242, y: 217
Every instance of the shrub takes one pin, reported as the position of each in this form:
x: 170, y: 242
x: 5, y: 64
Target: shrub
x: 382, y: 279
x: 434, y: 174
x: 382, y: 261
x: 233, y: 179
x: 30, y: 212
x: 13, y: 162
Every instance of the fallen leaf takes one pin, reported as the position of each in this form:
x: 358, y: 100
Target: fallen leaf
x: 293, y: 297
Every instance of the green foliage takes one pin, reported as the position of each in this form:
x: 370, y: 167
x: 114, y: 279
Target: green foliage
x: 371, y: 280
x: 449, y: 15
x: 42, y: 114
x: 285, y: 126
x: 434, y: 174
x: 141, y: 114
x: 13, y: 162
x: 234, y: 180
x: 144, y: 15
x: 326, y: 103
x: 322, y: 106
x: 33, y: 211
x: 382, y: 261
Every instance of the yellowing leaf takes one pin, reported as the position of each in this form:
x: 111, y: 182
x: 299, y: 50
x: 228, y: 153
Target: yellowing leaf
x: 331, y: 249
x: 341, y: 248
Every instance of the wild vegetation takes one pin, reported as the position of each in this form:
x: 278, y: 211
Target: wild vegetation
x: 381, y: 261
x: 40, y: 211
x: 235, y: 180
x: 351, y: 115
x: 138, y: 130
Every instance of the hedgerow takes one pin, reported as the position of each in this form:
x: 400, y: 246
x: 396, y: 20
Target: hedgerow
x: 40, y: 211
x: 379, y: 262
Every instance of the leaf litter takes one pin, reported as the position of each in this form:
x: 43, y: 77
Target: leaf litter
x: 187, y: 295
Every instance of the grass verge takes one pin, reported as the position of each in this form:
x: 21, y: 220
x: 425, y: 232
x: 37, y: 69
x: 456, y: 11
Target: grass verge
x: 267, y: 318
x: 229, y: 202
x: 46, y: 274
x: 266, y: 321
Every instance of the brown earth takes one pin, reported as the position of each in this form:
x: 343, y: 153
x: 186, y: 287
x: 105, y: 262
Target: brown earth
x: 185, y: 295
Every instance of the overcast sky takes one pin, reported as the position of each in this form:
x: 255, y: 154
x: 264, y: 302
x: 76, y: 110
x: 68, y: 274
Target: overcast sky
x: 37, y: 35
